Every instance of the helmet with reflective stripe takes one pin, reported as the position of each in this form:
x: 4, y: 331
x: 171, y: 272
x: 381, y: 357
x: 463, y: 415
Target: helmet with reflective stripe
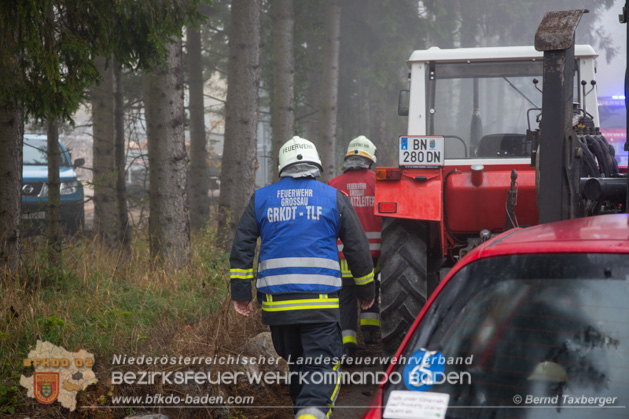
x: 361, y: 146
x: 298, y: 150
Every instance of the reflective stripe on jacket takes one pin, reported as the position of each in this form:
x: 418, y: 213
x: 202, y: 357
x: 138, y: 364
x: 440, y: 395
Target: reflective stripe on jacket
x: 347, y: 273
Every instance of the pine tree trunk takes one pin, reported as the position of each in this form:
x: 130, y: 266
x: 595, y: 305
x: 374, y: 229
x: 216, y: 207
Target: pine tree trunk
x: 11, y: 142
x: 120, y: 162
x: 104, y: 179
x: 239, y: 163
x: 53, y: 215
x: 283, y: 106
x: 169, y: 226
x: 329, y: 89
x: 447, y: 20
x: 199, y: 180
x: 311, y: 112
x: 469, y: 24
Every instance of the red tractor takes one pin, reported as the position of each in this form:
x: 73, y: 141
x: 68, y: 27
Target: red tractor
x: 467, y: 168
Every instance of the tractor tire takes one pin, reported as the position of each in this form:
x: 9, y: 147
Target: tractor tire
x: 404, y: 278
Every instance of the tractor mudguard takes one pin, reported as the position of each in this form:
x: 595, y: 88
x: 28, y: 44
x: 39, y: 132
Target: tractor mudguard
x: 417, y: 195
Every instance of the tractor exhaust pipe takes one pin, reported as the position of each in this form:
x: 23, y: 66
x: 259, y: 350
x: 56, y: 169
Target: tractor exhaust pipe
x: 558, y: 168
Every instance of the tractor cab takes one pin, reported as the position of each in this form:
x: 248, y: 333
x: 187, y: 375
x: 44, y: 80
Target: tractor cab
x: 483, y: 100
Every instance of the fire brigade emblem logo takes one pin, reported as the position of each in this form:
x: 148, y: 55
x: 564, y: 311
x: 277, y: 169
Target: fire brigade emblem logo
x: 71, y: 373
x: 46, y: 387
x: 432, y: 143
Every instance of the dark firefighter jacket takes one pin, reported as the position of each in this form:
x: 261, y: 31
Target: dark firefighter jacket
x: 299, y: 221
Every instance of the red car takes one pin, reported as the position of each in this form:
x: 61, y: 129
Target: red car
x: 531, y: 324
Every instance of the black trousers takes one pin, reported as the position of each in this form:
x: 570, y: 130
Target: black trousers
x: 313, y: 352
x: 369, y: 319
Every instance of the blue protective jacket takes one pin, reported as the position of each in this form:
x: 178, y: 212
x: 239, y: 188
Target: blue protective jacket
x: 298, y: 273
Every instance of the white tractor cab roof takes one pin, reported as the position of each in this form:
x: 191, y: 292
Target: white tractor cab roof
x: 491, y: 87
x: 490, y: 54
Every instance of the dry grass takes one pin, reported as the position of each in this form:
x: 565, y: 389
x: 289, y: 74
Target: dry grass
x: 107, y: 304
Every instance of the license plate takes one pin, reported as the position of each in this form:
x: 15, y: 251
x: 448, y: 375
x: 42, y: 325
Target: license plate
x: 421, y: 151
x: 39, y: 215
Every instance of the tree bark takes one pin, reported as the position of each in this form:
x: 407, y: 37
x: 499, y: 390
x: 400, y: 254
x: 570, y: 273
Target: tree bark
x: 169, y: 226
x: 53, y: 215
x: 120, y: 162
x: 241, y: 117
x: 283, y: 106
x: 469, y: 24
x: 311, y: 65
x: 104, y: 182
x: 199, y: 180
x: 11, y: 143
x: 329, y: 89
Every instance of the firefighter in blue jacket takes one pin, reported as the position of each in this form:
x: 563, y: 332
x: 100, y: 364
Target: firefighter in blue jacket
x: 298, y: 278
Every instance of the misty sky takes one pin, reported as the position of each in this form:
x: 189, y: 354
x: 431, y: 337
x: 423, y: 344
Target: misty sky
x: 611, y: 77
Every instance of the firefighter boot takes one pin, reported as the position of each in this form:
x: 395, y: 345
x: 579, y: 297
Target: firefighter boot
x: 370, y: 335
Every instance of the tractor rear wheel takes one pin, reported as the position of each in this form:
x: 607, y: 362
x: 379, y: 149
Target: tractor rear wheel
x: 403, y: 278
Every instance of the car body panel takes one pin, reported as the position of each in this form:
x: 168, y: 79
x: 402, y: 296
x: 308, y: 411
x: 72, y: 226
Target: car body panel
x: 600, y: 234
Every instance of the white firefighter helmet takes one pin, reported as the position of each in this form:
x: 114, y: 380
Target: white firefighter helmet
x: 298, y: 150
x: 361, y: 146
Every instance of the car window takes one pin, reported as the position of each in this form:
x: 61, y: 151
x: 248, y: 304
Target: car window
x: 35, y: 154
x: 542, y: 336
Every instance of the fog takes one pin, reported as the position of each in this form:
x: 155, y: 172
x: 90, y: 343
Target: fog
x: 611, y: 76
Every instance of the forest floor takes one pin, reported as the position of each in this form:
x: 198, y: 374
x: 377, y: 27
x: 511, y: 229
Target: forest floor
x: 354, y: 398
